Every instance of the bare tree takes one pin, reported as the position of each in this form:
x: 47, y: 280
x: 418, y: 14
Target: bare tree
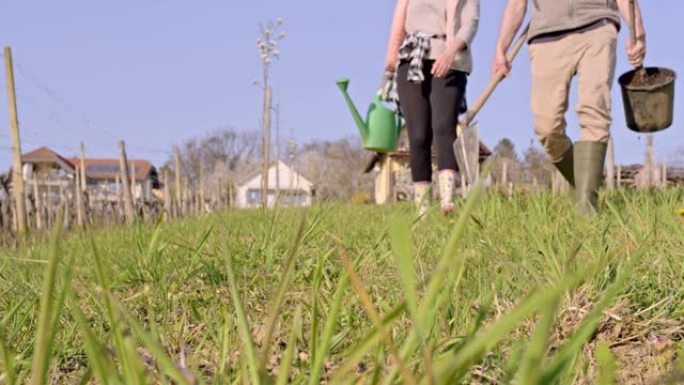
x: 335, y: 168
x: 537, y: 167
x: 4, y: 185
x: 505, y: 160
x: 223, y: 152
x: 268, y: 51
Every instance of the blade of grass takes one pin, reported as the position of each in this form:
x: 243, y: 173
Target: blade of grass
x: 315, y: 292
x: 87, y: 376
x: 130, y: 365
x: 536, y: 350
x: 286, y: 363
x: 243, y: 326
x: 277, y: 304
x: 430, y: 304
x: 167, y: 366
x: 606, y: 363
x: 7, y: 360
x: 445, y: 263
x: 353, y: 356
x: 61, y: 296
x: 6, y: 356
x: 571, y: 348
x: 328, y: 330
x: 367, y: 303
x: 225, y: 344
x: 11, y: 313
x: 452, y: 369
x: 41, y: 356
x: 97, y: 356
x: 400, y: 239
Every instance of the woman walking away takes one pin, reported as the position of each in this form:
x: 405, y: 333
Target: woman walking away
x: 429, y: 55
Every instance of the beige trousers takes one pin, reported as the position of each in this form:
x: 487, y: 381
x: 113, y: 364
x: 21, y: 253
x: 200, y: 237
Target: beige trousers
x: 589, y: 55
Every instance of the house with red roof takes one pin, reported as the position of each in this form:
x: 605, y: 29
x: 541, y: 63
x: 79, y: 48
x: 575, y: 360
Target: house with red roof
x: 55, y: 175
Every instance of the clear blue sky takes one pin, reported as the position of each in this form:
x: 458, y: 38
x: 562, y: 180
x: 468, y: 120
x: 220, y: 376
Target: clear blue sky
x: 158, y: 72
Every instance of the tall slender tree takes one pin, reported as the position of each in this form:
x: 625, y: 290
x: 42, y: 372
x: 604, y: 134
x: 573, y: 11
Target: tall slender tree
x: 268, y: 45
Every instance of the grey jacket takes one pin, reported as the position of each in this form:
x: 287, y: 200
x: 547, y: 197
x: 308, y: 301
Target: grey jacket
x: 430, y: 16
x: 554, y: 16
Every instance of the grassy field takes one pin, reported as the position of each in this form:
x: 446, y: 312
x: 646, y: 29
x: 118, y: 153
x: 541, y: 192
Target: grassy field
x: 516, y: 290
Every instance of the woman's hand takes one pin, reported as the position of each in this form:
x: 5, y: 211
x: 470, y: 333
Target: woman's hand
x: 390, y: 66
x: 443, y: 64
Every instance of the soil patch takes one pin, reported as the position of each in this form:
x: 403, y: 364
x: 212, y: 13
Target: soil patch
x: 649, y: 77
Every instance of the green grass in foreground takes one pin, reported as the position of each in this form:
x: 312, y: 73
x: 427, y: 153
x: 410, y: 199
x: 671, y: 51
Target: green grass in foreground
x: 513, y: 291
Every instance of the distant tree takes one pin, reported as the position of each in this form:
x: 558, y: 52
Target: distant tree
x: 4, y: 185
x: 506, y: 149
x: 505, y: 154
x: 536, y: 165
x: 335, y: 168
x: 224, y: 153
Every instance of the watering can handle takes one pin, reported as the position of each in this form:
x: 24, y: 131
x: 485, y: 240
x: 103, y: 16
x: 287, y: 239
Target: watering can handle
x: 385, y: 88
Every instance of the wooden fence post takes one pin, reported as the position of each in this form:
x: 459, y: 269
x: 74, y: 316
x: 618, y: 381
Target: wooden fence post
x: 179, y: 190
x: 219, y: 194
x: 48, y: 205
x: 619, y: 176
x: 83, y: 168
x: 610, y: 166
x: 17, y: 175
x: 649, y: 160
x: 119, y: 194
x: 186, y: 197
x: 504, y: 173
x: 200, y: 208
x: 78, y: 201
x: 64, y: 199
x: 129, y: 210
x: 38, y: 204
x: 167, y: 195
x: 230, y: 194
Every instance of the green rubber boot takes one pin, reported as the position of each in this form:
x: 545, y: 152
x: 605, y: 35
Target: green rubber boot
x: 566, y: 166
x: 589, y: 159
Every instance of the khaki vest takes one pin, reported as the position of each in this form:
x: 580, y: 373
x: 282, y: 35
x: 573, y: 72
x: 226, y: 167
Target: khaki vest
x: 553, y: 16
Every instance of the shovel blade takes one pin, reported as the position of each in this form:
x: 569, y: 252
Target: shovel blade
x: 467, y: 151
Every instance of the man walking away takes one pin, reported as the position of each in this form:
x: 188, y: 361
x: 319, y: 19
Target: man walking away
x: 568, y: 39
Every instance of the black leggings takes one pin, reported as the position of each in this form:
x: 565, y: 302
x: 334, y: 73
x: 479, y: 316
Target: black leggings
x: 430, y: 109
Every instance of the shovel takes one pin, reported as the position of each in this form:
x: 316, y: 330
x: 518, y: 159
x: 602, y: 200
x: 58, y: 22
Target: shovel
x: 467, y: 144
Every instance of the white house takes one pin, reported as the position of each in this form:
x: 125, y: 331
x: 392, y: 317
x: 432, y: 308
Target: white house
x: 285, y: 185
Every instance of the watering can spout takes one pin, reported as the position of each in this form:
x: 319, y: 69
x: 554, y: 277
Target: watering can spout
x: 343, y: 84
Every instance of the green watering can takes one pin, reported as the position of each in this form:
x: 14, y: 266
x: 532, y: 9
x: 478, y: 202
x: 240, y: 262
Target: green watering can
x: 380, y: 131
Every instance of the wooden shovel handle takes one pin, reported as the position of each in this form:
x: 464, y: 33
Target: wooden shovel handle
x: 477, y: 106
x: 640, y: 71
x: 632, y: 20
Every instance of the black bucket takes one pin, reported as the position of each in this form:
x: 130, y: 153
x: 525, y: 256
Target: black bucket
x: 649, y: 107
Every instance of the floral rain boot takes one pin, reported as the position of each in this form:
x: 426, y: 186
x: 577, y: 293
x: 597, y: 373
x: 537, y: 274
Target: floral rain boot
x: 447, y: 180
x: 421, y: 196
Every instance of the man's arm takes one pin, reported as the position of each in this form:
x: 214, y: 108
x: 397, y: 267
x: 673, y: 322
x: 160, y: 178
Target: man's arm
x: 635, y: 51
x: 512, y: 20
